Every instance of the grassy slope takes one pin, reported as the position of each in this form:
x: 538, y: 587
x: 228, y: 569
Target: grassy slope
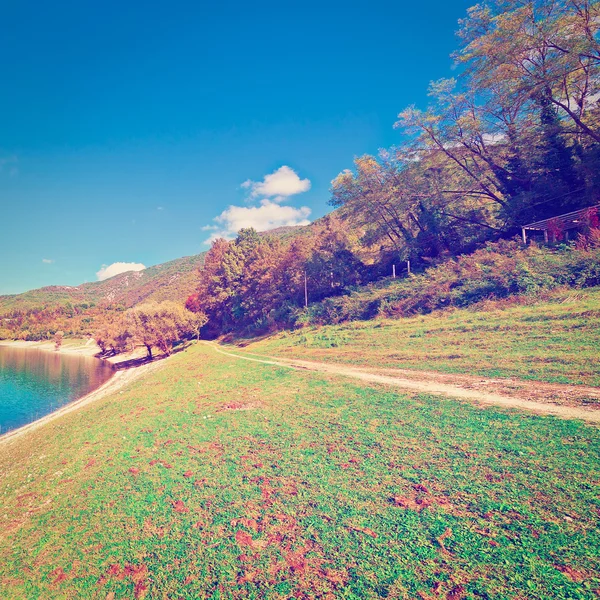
x: 557, y: 340
x: 293, y: 495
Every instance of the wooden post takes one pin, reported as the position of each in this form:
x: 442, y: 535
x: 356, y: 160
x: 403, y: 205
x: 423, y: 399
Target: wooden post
x: 408, y: 266
x: 524, y: 234
x: 546, y: 236
x: 305, y: 291
x: 394, y: 271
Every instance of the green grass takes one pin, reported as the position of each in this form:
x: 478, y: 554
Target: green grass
x: 557, y: 340
x: 319, y: 488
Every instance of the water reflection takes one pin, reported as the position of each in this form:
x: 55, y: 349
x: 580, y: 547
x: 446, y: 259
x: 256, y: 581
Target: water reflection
x: 34, y: 382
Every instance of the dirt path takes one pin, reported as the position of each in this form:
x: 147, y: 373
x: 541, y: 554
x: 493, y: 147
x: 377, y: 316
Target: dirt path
x: 460, y: 386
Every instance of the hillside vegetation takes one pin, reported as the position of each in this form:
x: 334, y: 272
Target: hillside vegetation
x: 38, y: 314
x: 497, y: 271
x: 554, y: 339
x: 220, y: 478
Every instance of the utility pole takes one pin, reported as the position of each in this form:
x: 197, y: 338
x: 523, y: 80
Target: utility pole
x: 305, y: 291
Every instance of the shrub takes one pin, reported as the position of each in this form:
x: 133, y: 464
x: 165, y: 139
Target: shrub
x: 500, y: 270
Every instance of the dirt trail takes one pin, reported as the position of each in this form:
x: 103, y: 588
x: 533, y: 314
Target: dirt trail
x: 438, y: 384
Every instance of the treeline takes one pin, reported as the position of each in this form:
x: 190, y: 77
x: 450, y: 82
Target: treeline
x: 513, y: 139
x: 42, y: 323
x: 151, y: 325
x: 256, y: 283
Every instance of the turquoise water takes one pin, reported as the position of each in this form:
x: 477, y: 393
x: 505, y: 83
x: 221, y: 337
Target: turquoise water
x: 33, y: 383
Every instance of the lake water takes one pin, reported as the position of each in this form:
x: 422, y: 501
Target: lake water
x: 34, y: 383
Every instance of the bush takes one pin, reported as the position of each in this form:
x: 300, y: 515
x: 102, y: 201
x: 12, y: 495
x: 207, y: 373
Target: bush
x: 499, y: 270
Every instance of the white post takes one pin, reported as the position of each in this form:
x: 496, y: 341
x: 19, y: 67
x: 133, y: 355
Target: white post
x: 394, y: 271
x: 408, y: 266
x: 305, y: 291
x: 524, y: 233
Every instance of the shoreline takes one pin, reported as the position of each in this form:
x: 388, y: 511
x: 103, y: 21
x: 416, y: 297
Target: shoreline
x: 120, y: 378
x: 77, y: 347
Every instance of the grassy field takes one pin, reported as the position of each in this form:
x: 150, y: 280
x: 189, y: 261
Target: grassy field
x: 557, y: 340
x: 218, y: 478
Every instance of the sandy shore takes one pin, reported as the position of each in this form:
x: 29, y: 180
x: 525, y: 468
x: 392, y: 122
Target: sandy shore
x: 122, y: 377
x: 114, y: 384
x: 79, y: 347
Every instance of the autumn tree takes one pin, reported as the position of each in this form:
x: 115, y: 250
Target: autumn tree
x: 515, y: 137
x: 546, y: 51
x: 333, y: 265
x: 113, y: 332
x: 161, y: 325
x: 58, y: 340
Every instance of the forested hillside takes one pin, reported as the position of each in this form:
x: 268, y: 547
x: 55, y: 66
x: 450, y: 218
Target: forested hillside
x: 513, y: 139
x: 38, y: 314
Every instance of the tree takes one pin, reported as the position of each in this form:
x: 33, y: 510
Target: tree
x: 162, y: 324
x: 226, y: 277
x: 332, y: 265
x: 113, y: 331
x: 371, y: 196
x: 198, y: 317
x: 421, y: 207
x: 546, y: 51
x: 58, y: 340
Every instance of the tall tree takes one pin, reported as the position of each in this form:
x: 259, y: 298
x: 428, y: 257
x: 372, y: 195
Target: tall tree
x: 547, y: 51
x: 161, y: 325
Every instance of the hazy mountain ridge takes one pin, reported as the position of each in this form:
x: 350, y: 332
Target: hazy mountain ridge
x: 172, y: 280
x: 125, y: 289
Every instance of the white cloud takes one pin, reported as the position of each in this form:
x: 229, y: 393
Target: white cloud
x: 119, y: 267
x: 269, y: 212
x: 48, y: 261
x: 279, y: 185
x: 268, y: 215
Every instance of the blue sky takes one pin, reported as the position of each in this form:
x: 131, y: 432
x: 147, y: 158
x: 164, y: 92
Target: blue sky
x: 126, y: 128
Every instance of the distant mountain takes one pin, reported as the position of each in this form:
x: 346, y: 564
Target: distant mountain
x: 173, y: 280
x: 33, y: 314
